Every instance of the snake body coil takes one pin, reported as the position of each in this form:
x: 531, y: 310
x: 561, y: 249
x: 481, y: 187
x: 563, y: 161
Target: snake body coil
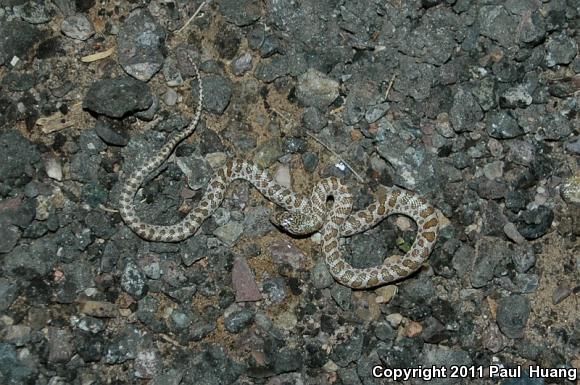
x: 335, y: 223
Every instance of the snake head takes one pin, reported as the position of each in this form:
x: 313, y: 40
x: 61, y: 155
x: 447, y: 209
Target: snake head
x: 294, y: 223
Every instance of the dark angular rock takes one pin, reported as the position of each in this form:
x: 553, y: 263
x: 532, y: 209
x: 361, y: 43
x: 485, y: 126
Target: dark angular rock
x: 117, y: 97
x: 270, y: 71
x: 493, y: 219
x: 497, y: 24
x: 15, y: 81
x: 31, y: 261
x: 313, y: 119
x: 228, y: 42
x: 196, y: 249
x: 149, y: 113
x: 384, y: 331
x: 463, y: 259
x: 507, y: 71
x: 560, y: 49
x: 241, y: 12
x: 217, y: 95
x: 140, y: 45
x: 521, y: 152
x: 212, y: 367
x: 33, y: 12
x: 19, y: 158
x: 310, y: 161
x: 9, y: 236
x: 532, y: 28
x: 288, y: 360
x: 90, y: 348
x: 12, y: 369
x: 8, y: 293
x: 490, y: 254
x: 406, y: 354
x: 200, y: 330
x: 563, y: 87
x: 434, y: 355
x: 133, y: 281
x: 524, y: 258
x: 433, y: 331
x: 125, y: 346
x: 502, y: 125
x: 242, y: 64
x: 321, y: 277
x: 237, y: 321
x: 241, y: 136
x: 417, y: 79
x: 350, y: 350
x: 484, y: 93
x: 515, y: 97
x: 535, y: 222
x: 60, y: 345
x: 512, y: 315
x: 342, y: 296
x: 295, y: 145
x: 465, y: 112
x: 556, y: 127
x: 573, y: 145
x: 520, y: 283
x: 16, y: 39
x: 106, y: 132
x: 491, y: 189
x: 270, y: 46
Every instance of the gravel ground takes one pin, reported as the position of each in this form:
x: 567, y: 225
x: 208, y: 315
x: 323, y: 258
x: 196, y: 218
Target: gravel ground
x: 472, y: 104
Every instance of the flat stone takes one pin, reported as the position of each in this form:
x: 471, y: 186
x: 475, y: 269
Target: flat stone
x: 117, y: 97
x: 99, y: 309
x: 60, y: 345
x: 229, y: 233
x: 512, y: 315
x: 9, y: 236
x: 16, y: 39
x: 501, y: 125
x: 77, y: 27
x: 139, y: 45
x: 315, y: 89
x: 465, y: 112
x: 241, y: 12
x: 244, y: 282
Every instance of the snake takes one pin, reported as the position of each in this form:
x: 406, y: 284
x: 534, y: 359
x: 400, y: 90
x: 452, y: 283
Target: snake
x: 328, y: 209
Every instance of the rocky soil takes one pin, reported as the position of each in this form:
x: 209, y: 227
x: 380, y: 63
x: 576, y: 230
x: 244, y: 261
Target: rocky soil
x: 472, y: 104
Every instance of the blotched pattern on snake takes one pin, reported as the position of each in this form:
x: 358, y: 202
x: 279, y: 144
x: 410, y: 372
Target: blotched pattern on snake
x: 303, y: 214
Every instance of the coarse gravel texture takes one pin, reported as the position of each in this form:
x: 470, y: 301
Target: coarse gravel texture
x: 472, y: 104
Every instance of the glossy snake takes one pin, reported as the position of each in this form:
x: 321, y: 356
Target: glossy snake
x: 302, y: 215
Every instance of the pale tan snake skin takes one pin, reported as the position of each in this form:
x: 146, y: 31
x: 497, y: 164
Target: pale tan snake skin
x: 304, y: 214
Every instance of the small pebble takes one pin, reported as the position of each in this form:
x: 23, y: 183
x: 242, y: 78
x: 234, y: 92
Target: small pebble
x: 99, y: 309
x: 511, y: 231
x: 562, y: 292
x: 395, y: 319
x: 170, y: 97
x: 77, y: 27
x: 412, y: 329
x: 385, y: 293
x: 54, y: 169
x: 282, y: 176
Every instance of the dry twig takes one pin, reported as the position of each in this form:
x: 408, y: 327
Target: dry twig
x: 335, y: 154
x: 191, y: 18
